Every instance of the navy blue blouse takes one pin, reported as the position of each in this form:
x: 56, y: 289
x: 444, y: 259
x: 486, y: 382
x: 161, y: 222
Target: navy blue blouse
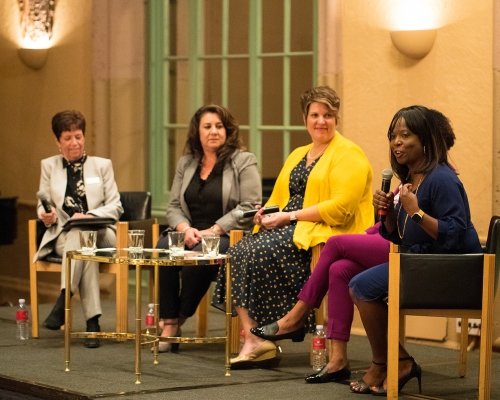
x: 442, y: 196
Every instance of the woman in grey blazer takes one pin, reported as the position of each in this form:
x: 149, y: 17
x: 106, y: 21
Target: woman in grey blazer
x: 76, y: 186
x: 213, y: 183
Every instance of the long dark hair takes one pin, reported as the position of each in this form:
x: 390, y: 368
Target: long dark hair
x: 435, y: 133
x: 233, y: 139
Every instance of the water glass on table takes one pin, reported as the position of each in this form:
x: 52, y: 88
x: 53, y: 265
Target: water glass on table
x: 176, y: 242
x: 210, y: 245
x: 136, y: 241
x: 88, y: 240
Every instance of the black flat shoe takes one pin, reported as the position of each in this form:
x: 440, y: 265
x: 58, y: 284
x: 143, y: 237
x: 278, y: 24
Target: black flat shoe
x: 92, y: 343
x: 55, y: 319
x: 268, y: 332
x: 324, y: 376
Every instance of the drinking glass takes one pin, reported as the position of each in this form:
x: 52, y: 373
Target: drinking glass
x: 210, y: 245
x: 176, y: 242
x: 135, y: 240
x: 88, y: 241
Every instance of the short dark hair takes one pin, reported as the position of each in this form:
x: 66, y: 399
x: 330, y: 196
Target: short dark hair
x: 233, y: 138
x: 67, y: 120
x: 433, y: 130
x: 321, y: 94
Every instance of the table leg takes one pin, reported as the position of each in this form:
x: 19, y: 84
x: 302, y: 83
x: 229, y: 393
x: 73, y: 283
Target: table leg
x: 138, y: 321
x: 156, y: 293
x: 67, y: 312
x: 229, y: 311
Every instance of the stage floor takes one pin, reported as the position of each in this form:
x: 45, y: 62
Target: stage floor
x: 35, y: 369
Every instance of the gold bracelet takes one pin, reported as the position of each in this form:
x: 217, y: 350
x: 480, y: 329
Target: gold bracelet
x: 214, y: 230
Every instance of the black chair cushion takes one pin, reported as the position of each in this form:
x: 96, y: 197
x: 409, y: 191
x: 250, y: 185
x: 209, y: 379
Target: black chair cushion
x: 441, y: 281
x: 136, y: 205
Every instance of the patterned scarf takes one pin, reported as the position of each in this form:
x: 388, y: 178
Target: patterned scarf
x: 75, y: 200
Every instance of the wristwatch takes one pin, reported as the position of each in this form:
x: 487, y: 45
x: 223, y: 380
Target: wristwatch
x: 418, y: 216
x: 293, y: 218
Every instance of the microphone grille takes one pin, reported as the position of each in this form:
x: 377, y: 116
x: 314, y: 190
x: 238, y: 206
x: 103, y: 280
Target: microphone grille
x: 239, y: 214
x: 387, y: 174
x: 41, y: 195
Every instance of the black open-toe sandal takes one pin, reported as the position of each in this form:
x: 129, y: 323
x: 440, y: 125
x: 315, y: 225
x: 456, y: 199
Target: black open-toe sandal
x: 361, y: 386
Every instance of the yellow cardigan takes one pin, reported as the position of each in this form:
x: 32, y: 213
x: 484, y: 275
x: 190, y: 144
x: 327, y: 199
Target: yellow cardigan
x: 339, y: 183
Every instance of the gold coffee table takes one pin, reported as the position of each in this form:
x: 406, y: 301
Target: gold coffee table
x: 158, y: 259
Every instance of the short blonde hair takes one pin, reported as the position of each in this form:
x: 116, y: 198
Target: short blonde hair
x: 321, y: 94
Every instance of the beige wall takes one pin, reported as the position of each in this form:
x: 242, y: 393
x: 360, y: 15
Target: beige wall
x: 31, y: 97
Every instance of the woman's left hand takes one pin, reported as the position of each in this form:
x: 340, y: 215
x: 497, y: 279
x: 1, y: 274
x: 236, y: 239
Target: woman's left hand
x: 192, y: 237
x: 408, y: 199
x: 275, y: 220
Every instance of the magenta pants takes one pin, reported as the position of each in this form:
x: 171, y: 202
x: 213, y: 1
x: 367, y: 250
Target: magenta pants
x: 343, y: 257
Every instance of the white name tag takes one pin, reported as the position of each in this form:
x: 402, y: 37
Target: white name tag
x: 92, y: 180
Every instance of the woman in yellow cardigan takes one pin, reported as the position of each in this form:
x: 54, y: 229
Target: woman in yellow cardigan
x: 323, y: 189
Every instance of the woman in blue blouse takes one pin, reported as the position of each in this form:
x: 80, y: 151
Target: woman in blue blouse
x: 431, y: 216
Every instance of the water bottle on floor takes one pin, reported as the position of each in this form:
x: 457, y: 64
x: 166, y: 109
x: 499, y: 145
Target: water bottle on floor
x: 150, y: 318
x: 319, y: 348
x: 22, y: 320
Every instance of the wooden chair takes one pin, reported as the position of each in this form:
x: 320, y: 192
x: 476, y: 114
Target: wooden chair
x: 137, y: 207
x: 444, y: 285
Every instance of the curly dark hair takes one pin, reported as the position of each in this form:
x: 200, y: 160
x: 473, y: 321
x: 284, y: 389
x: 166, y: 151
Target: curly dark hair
x: 321, y: 94
x: 233, y: 138
x: 435, y: 133
x: 68, y: 120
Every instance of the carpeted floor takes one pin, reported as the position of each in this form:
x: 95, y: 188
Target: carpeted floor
x: 35, y: 369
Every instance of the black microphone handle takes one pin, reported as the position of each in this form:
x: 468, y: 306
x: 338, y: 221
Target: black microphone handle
x: 386, y: 187
x: 267, y: 210
x: 46, y: 205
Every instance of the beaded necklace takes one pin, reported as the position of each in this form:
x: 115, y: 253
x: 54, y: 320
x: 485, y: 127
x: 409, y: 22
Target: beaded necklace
x: 401, y: 235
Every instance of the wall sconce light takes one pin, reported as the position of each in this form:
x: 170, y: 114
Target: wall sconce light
x: 415, y: 44
x: 36, y: 22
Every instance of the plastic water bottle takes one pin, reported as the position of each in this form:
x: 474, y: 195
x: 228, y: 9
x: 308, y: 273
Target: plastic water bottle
x: 22, y: 320
x: 150, y: 318
x: 319, y: 348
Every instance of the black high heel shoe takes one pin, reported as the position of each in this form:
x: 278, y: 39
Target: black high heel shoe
x: 325, y: 376
x: 361, y: 387
x: 268, y: 332
x: 415, y: 372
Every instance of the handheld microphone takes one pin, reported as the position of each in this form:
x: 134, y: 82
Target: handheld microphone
x: 386, y: 187
x: 251, y: 213
x: 45, y: 203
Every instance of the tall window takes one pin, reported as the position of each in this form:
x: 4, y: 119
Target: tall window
x: 254, y: 57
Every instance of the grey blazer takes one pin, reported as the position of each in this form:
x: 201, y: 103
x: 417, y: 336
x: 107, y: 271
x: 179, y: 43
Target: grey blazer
x: 241, y: 190
x: 102, y: 194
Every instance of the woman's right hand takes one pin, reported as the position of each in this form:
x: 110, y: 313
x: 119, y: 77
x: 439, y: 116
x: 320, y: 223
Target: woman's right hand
x: 49, y: 218
x: 257, y: 218
x: 383, y: 201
